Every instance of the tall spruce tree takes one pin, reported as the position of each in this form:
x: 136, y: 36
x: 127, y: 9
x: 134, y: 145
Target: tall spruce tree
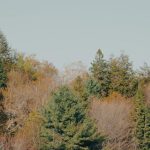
x: 67, y: 126
x: 101, y: 75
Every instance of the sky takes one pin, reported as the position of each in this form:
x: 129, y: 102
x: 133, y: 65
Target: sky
x: 65, y: 31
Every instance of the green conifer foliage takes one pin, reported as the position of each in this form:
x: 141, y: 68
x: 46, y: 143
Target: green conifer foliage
x: 94, y: 88
x: 101, y: 75
x: 3, y: 76
x: 147, y: 128
x: 7, y: 57
x: 122, y: 76
x: 142, y: 120
x: 79, y: 89
x: 67, y: 126
x: 3, y: 79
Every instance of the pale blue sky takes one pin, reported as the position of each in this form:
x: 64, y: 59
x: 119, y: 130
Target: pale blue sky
x: 64, y: 31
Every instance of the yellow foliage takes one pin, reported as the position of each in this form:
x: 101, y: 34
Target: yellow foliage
x: 33, y: 68
x: 28, y: 136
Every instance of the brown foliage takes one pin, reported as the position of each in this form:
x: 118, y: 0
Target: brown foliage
x: 28, y: 138
x: 113, y: 119
x: 24, y: 96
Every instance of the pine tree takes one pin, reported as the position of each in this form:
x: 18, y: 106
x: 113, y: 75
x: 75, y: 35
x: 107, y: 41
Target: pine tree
x: 6, y: 55
x: 4, y: 65
x: 100, y: 73
x: 67, y: 126
x: 93, y: 88
x: 142, y: 122
x: 3, y: 79
x: 147, y: 128
x: 122, y: 76
x: 79, y: 89
x: 3, y: 76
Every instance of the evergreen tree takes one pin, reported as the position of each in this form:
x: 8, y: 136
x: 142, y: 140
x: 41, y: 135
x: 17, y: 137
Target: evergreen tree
x: 147, y: 128
x: 3, y: 76
x: 100, y: 73
x: 6, y: 55
x: 7, y: 60
x: 3, y: 79
x: 93, y: 88
x: 78, y: 85
x: 67, y: 126
x: 142, y: 121
x: 79, y: 89
x: 122, y: 76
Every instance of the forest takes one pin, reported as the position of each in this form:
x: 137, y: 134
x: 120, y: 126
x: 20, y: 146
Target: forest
x: 106, y: 107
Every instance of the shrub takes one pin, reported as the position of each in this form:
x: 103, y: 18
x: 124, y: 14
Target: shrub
x: 113, y: 117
